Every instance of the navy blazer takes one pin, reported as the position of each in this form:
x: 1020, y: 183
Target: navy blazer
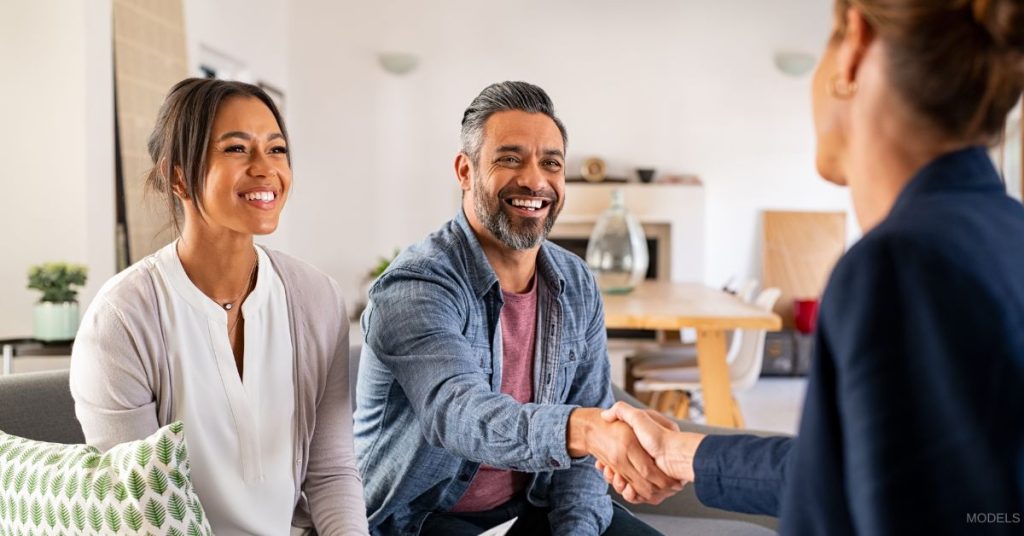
x: 914, y: 416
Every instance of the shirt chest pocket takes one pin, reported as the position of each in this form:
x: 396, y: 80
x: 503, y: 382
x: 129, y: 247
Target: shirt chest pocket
x: 571, y: 355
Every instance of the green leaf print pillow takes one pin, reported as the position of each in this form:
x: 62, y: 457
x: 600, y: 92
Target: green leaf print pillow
x: 139, y: 487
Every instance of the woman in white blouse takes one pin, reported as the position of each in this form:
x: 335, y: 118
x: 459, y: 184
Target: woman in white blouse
x: 247, y: 346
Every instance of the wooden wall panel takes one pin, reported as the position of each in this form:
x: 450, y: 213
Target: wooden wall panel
x: 149, y: 58
x: 800, y: 250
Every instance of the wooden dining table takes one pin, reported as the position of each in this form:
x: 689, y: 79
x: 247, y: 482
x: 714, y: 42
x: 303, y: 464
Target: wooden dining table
x: 668, y: 307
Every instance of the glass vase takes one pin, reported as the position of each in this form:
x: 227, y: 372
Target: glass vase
x: 617, y: 250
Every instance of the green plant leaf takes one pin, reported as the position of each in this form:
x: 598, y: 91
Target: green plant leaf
x: 95, y: 518
x: 182, y: 453
x: 26, y: 453
x: 144, y: 454
x: 176, y: 427
x: 56, y: 280
x: 176, y: 507
x: 85, y: 488
x: 44, y: 482
x: 64, y: 515
x: 174, y: 532
x: 91, y: 461
x: 8, y: 477
x: 33, y: 482
x: 3, y: 510
x: 193, y: 529
x: 164, y: 450
x: 51, y: 515
x: 101, y: 487
x: 19, y: 481
x: 197, y: 509
x: 39, y: 453
x: 132, y: 517
x: 156, y: 514
x: 157, y: 481
x: 120, y: 493
x: 177, y: 479
x: 23, y: 510
x: 57, y: 483
x: 71, y: 487
x: 37, y: 513
x: 15, y: 452
x: 136, y: 485
x: 78, y: 516
x: 53, y: 458
x: 113, y: 519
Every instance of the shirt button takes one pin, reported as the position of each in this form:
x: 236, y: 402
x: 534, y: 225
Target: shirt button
x: 298, y: 461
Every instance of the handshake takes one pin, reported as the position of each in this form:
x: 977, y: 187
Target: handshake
x: 642, y: 453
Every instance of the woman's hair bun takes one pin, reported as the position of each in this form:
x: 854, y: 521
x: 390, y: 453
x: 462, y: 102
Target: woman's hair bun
x: 1004, y: 20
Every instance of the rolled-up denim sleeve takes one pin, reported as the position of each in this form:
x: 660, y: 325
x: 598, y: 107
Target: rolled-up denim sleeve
x: 414, y: 326
x: 579, y: 496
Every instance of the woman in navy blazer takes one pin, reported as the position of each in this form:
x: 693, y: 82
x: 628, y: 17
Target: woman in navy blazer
x: 914, y: 417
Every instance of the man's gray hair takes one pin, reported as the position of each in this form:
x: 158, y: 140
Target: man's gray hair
x: 501, y: 97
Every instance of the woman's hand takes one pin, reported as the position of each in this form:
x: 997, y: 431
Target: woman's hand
x: 673, y: 451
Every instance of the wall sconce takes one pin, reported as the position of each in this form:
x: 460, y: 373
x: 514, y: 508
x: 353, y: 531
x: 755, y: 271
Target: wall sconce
x: 794, y: 64
x: 398, y: 63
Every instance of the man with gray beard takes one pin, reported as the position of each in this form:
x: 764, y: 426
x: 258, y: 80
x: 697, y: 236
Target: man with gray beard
x: 485, y: 356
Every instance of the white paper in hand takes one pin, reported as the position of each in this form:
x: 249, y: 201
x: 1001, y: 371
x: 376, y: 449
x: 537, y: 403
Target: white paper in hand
x: 502, y: 529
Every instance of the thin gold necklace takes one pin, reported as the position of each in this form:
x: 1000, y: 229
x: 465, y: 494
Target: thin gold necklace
x: 248, y: 283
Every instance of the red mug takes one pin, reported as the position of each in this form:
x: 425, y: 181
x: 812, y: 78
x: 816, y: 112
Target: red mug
x: 805, y: 315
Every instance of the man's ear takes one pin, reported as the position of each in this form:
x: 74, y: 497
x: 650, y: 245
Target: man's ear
x: 859, y: 36
x: 464, y: 171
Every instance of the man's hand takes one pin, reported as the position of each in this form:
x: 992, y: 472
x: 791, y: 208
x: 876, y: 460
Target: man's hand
x: 672, y: 450
x: 615, y: 445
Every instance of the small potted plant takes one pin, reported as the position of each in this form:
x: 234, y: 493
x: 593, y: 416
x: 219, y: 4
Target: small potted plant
x: 371, y: 276
x: 56, y: 314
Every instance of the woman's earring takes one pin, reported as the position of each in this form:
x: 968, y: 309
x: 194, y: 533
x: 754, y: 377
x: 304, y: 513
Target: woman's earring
x: 841, y: 89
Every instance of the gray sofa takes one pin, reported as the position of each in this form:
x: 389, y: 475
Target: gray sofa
x: 39, y: 406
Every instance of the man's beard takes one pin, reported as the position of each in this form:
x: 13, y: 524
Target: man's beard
x: 518, y: 234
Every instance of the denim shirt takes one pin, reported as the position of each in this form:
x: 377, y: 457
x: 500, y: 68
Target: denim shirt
x: 429, y: 406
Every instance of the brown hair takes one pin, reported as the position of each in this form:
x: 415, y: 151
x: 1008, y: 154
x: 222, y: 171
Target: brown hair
x: 182, y: 134
x: 958, y: 63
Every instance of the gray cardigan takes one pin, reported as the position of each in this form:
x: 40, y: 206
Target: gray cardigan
x: 122, y: 383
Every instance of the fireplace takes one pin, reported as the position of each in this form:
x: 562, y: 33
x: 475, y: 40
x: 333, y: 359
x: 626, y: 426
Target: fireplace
x: 672, y: 216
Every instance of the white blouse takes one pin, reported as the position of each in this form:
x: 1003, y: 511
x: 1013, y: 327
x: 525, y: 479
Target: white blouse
x: 240, y: 430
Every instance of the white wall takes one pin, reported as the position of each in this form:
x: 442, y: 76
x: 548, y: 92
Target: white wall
x: 58, y: 177
x: 253, y: 32
x: 679, y: 85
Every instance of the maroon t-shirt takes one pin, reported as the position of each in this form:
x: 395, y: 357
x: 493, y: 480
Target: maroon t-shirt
x: 493, y: 487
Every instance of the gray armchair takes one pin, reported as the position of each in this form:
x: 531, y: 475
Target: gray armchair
x: 38, y: 405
